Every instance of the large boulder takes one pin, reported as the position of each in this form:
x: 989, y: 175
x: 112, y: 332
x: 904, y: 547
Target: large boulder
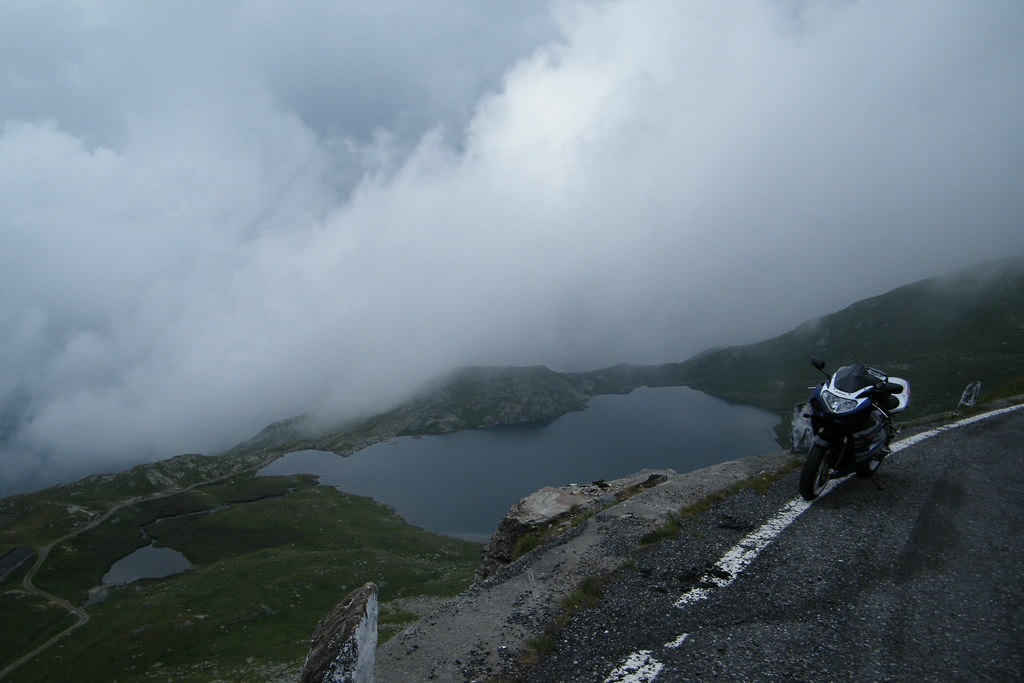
x: 969, y: 398
x: 802, y: 436
x: 527, y: 518
x: 545, y: 513
x: 344, y: 643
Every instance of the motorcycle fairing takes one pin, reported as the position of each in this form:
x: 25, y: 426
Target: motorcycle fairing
x: 856, y: 382
x: 902, y: 397
x: 852, y: 379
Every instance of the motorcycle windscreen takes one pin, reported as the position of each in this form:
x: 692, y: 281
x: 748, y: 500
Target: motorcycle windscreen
x: 853, y: 378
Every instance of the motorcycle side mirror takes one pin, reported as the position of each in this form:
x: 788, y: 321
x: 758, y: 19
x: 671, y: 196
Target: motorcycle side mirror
x: 820, y: 364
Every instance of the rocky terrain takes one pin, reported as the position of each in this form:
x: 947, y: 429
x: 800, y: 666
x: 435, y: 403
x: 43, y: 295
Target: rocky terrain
x: 942, y: 333
x: 468, y: 398
x: 480, y: 635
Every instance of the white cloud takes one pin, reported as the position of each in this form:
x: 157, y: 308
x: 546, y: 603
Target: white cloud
x: 215, y: 216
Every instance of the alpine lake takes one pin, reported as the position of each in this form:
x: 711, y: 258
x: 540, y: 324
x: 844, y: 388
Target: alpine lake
x: 461, y: 484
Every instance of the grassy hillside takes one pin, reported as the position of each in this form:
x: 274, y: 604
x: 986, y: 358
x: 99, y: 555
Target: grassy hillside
x: 271, y: 556
x: 468, y: 398
x: 939, y: 334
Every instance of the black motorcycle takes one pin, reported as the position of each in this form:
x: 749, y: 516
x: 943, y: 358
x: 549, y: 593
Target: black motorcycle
x: 851, y: 421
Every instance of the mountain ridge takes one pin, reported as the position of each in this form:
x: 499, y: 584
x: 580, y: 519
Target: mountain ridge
x: 939, y: 333
x: 252, y: 537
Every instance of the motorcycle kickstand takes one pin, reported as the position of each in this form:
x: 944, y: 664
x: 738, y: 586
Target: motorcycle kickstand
x: 871, y: 475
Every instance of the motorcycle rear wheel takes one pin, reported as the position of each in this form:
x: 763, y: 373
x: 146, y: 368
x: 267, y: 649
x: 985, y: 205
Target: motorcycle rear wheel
x: 816, y: 473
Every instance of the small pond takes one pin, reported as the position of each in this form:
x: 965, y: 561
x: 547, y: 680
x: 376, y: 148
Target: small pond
x: 462, y: 484
x: 149, y: 562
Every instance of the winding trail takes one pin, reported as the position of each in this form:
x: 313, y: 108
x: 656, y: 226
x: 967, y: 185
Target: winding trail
x: 43, y: 552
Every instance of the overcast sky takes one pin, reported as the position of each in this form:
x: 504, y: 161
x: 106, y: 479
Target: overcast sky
x: 217, y: 215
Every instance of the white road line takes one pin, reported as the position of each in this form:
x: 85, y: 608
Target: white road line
x: 673, y: 644
x: 642, y: 667
x: 918, y: 438
x: 639, y: 667
x: 737, y: 558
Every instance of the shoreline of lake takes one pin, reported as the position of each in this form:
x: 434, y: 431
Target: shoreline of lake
x: 461, y: 484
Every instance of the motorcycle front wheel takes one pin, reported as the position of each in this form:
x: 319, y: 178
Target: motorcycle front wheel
x: 816, y: 473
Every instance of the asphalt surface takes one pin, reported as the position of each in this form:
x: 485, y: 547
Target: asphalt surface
x: 920, y: 580
x: 479, y: 634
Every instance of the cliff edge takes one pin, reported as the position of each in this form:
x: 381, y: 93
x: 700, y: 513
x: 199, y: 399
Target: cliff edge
x: 478, y: 635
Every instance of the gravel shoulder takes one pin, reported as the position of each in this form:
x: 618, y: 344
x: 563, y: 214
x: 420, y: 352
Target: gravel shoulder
x: 478, y: 635
x: 915, y: 577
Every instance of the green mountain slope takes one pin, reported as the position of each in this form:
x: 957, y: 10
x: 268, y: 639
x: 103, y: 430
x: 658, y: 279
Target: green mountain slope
x: 272, y: 555
x: 468, y: 398
x: 939, y: 334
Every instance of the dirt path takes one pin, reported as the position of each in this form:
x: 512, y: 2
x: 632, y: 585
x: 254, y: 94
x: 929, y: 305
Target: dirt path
x: 43, y: 552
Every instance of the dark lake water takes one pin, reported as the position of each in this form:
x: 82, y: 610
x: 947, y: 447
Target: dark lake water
x: 462, y: 484
x: 149, y: 562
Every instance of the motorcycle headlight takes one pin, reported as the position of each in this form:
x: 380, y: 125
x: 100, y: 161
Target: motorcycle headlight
x: 837, y: 404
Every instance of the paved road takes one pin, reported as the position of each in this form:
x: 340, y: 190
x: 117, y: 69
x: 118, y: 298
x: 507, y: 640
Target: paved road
x: 478, y: 634
x: 921, y: 581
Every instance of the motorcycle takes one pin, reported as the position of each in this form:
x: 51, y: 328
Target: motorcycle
x: 851, y: 421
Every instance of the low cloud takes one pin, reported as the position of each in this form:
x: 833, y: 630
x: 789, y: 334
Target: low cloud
x: 221, y: 216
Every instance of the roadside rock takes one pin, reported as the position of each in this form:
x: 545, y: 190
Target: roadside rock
x: 480, y: 634
x: 801, y: 434
x: 969, y: 398
x: 344, y: 644
x: 549, y: 511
